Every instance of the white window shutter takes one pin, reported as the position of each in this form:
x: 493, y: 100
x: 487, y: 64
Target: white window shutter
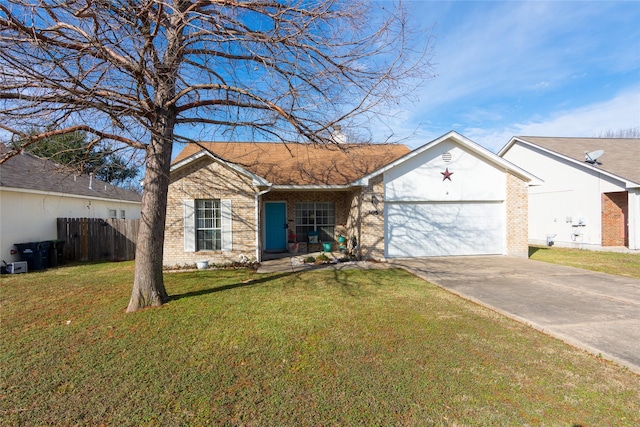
x: 225, y: 216
x: 189, y: 225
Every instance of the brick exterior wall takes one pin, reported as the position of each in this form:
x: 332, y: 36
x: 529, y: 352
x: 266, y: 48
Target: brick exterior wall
x: 356, y: 215
x: 207, y: 179
x: 517, y: 217
x: 614, y: 221
x: 365, y: 225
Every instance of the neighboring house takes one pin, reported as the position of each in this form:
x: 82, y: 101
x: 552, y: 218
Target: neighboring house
x: 448, y: 197
x: 584, y: 202
x: 35, y: 192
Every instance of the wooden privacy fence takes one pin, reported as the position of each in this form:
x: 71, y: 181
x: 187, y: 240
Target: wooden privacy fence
x: 89, y: 239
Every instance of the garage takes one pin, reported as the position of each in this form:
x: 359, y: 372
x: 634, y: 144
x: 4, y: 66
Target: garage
x: 445, y: 229
x: 452, y: 197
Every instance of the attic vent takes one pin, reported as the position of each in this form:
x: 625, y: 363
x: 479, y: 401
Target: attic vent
x: 446, y: 157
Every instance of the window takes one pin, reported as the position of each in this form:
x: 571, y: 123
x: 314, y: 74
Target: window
x: 122, y: 214
x: 208, y: 225
x: 113, y: 214
x: 315, y: 216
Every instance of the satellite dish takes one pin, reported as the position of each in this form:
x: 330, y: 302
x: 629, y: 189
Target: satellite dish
x: 592, y: 157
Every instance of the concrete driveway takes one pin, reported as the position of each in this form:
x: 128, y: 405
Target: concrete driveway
x: 593, y: 311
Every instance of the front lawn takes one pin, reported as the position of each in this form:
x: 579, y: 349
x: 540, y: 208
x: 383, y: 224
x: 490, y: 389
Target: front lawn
x: 378, y: 347
x: 622, y: 264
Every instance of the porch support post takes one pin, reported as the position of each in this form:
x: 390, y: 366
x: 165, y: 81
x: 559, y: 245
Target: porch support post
x: 258, y: 210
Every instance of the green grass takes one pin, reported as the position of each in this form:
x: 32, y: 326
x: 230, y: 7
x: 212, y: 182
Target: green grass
x: 377, y: 347
x: 622, y: 264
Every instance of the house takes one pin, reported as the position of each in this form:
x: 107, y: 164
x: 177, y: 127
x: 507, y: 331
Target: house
x: 448, y: 197
x: 591, y: 193
x: 34, y: 192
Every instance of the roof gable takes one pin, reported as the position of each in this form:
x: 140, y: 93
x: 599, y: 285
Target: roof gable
x: 467, y: 145
x: 30, y: 173
x: 620, y: 159
x: 283, y: 164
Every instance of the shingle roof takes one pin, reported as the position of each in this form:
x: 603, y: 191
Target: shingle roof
x: 302, y: 164
x: 28, y: 172
x: 621, y: 155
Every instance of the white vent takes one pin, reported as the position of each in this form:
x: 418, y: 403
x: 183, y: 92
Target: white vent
x: 446, y: 157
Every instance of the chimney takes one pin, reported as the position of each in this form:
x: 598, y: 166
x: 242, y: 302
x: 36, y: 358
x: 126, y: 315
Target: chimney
x: 91, y: 181
x: 338, y: 137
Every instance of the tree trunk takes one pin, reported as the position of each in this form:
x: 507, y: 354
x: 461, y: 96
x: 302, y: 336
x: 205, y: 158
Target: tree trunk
x: 148, y: 285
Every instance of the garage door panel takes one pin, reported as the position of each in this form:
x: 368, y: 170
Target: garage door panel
x: 441, y: 229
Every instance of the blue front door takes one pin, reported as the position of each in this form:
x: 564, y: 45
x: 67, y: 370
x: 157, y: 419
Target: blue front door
x: 275, y: 214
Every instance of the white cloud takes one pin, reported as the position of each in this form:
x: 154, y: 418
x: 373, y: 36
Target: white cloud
x: 620, y: 112
x: 526, y: 68
x: 496, y: 49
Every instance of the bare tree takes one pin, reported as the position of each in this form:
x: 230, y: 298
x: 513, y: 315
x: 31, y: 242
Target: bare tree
x: 621, y: 133
x: 150, y: 73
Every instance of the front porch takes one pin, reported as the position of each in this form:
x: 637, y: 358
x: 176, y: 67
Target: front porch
x: 311, y: 221
x: 354, y: 213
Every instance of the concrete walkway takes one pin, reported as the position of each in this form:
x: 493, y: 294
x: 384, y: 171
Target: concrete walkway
x: 597, y: 312
x: 296, y: 263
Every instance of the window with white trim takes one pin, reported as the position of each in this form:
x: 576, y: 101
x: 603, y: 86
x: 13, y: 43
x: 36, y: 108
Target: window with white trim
x: 123, y: 214
x: 315, y: 216
x: 208, y: 225
x: 113, y: 214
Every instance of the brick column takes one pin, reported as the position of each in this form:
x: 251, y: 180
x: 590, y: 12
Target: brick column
x: 517, y: 217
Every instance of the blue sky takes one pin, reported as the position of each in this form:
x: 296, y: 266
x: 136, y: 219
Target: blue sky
x: 562, y: 68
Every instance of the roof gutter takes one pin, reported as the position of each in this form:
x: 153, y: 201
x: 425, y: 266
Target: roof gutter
x: 69, y: 195
x: 314, y: 187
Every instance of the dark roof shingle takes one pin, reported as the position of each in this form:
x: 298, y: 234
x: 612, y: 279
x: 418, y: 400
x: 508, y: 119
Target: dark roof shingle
x: 621, y: 155
x: 28, y: 172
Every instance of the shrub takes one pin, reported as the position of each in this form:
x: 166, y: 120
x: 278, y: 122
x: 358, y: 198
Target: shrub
x: 322, y: 257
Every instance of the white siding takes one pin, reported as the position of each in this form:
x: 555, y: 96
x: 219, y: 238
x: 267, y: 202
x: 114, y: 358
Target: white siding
x: 421, y: 179
x: 31, y: 216
x: 428, y: 215
x: 569, y: 192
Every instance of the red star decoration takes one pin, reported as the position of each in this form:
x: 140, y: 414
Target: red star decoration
x: 446, y: 174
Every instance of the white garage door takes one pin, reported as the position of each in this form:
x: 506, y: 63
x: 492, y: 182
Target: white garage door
x: 442, y: 229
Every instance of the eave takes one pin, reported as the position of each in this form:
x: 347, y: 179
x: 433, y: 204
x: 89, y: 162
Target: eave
x: 258, y: 181
x: 467, y: 144
x: 627, y: 183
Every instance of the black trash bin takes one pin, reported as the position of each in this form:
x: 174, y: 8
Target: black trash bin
x: 56, y: 248
x: 36, y: 254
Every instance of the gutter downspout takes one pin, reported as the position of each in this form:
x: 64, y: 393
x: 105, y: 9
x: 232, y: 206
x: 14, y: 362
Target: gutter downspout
x: 257, y: 219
